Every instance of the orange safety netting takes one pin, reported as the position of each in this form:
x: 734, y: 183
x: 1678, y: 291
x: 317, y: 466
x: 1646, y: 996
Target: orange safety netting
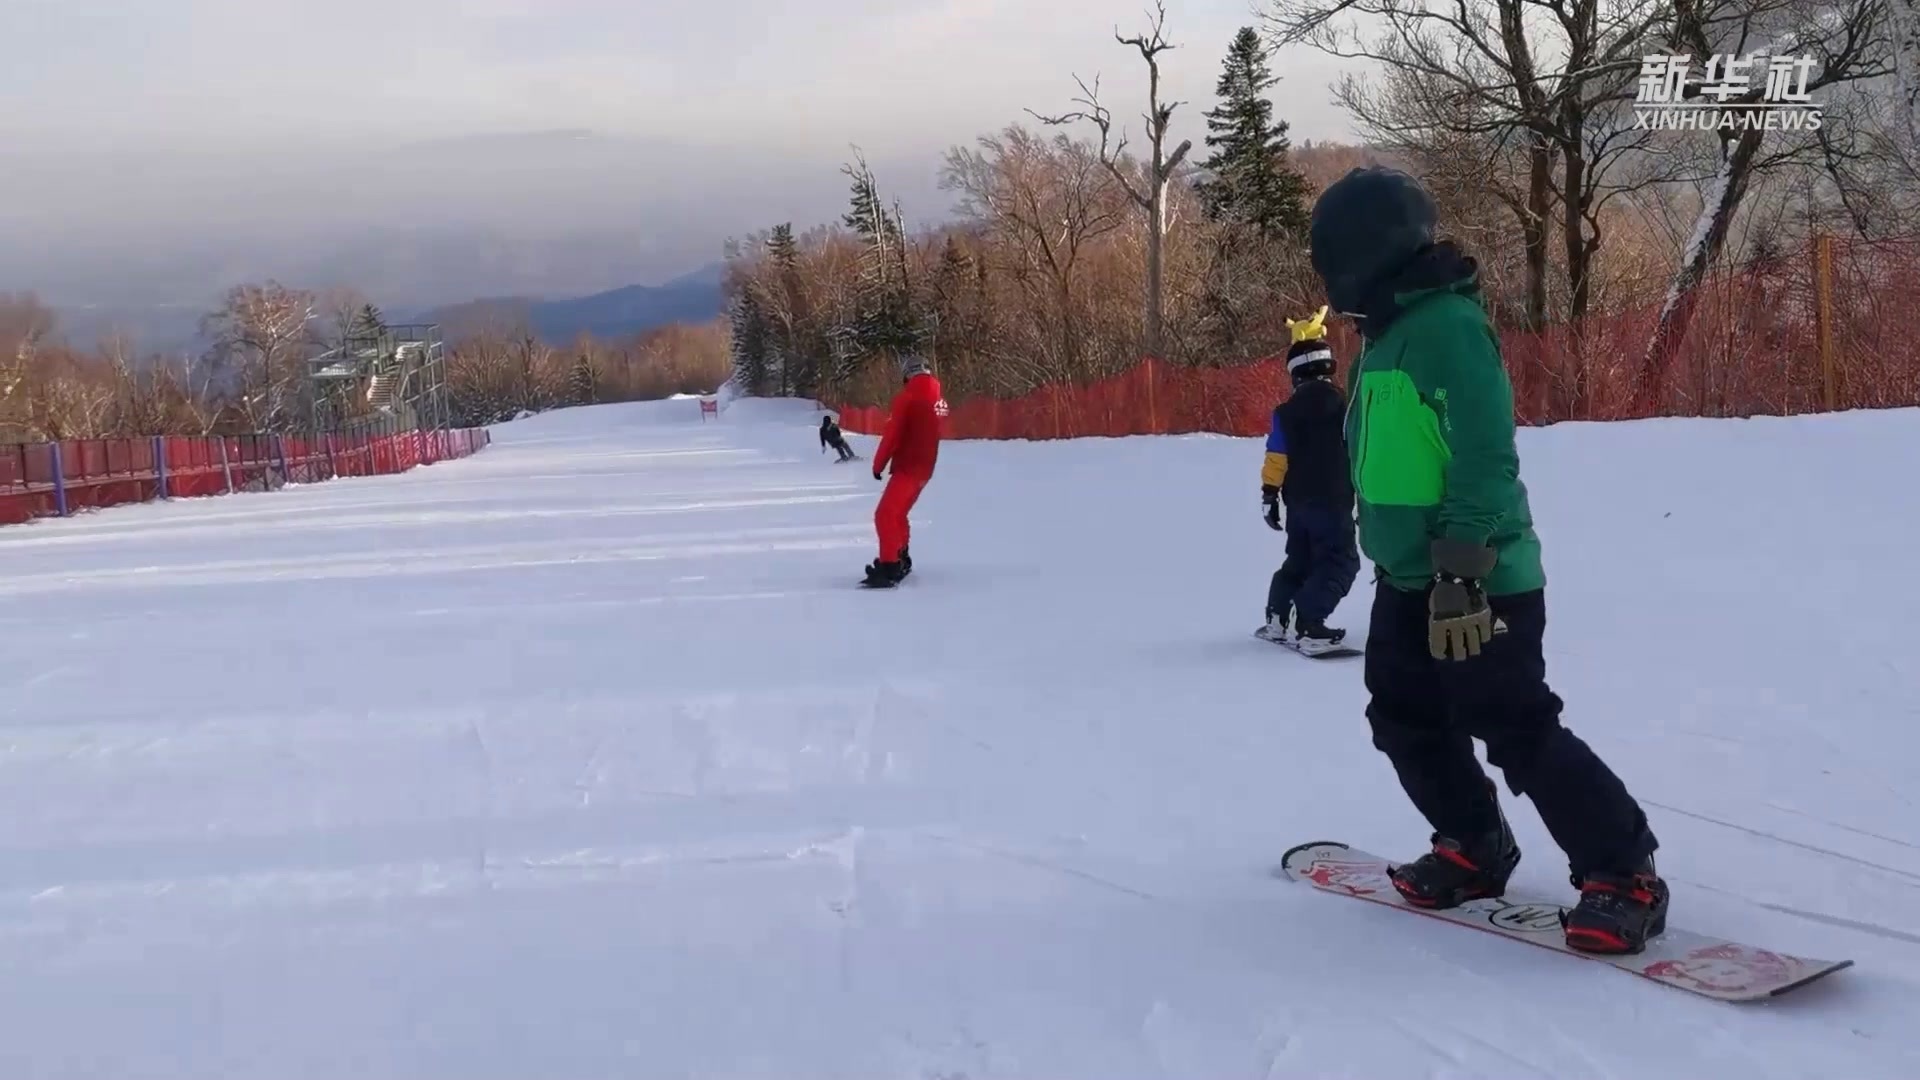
x: 1755, y: 347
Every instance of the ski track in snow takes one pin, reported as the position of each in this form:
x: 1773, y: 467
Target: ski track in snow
x: 584, y: 757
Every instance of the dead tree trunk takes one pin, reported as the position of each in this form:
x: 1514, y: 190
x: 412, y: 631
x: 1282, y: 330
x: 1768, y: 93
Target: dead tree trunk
x: 1722, y: 199
x: 1160, y: 170
x: 1906, y: 63
x: 1847, y: 45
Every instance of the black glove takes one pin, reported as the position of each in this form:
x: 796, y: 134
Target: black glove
x: 1270, y: 501
x: 876, y: 474
x: 1459, y: 622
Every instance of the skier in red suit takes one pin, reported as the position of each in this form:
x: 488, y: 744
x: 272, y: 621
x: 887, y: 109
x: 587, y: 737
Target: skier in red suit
x: 910, y: 444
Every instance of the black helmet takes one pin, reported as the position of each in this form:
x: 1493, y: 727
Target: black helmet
x: 1309, y: 360
x: 1309, y: 357
x: 1365, y: 226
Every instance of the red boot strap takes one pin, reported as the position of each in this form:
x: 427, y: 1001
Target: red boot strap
x: 1610, y: 942
x: 1637, y: 894
x: 1455, y: 858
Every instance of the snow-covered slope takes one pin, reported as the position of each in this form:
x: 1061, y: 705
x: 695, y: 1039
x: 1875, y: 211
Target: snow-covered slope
x: 585, y: 758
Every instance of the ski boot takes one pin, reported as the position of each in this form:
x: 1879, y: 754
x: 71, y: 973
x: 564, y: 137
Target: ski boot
x: 1455, y: 872
x: 1617, y: 913
x: 1314, y: 636
x: 883, y: 575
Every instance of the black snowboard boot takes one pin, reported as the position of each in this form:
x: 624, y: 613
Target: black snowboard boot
x: 1316, y: 636
x: 883, y: 575
x: 1617, y: 913
x: 906, y: 561
x: 1455, y: 872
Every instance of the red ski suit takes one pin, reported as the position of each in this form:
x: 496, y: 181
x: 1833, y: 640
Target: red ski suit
x: 911, y: 443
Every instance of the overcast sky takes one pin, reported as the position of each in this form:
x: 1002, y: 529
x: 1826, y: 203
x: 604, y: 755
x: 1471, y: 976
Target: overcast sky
x: 777, y: 87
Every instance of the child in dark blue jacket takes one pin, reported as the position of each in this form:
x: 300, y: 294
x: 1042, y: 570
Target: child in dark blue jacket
x: 1306, y: 473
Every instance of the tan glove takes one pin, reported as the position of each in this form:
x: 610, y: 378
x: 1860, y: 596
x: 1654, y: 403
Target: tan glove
x: 1459, y: 622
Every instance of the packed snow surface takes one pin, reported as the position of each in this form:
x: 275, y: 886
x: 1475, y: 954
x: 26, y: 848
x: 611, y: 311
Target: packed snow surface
x: 585, y: 758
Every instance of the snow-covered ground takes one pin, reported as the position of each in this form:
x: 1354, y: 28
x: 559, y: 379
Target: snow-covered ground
x: 585, y: 758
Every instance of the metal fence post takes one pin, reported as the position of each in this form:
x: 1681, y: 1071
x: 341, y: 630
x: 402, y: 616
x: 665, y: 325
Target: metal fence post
x: 160, y: 466
x: 226, y: 466
x: 59, y: 481
x: 280, y: 454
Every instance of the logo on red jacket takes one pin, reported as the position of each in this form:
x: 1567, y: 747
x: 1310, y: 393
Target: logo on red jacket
x: 940, y: 408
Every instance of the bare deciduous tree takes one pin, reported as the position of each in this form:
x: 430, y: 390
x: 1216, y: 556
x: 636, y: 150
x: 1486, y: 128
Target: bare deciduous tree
x: 1046, y: 201
x: 1524, y: 100
x: 25, y: 323
x: 261, y: 336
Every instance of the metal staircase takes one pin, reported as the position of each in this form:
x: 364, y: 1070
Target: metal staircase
x: 380, y: 390
x: 388, y: 377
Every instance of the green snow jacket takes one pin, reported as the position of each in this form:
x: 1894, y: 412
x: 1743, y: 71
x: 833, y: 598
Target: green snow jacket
x: 1430, y: 431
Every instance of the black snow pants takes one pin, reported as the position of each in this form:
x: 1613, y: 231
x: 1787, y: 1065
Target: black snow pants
x: 1426, y: 712
x: 1321, y: 564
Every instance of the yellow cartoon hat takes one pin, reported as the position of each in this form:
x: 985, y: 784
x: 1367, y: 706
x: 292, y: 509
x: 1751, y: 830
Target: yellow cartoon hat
x: 1311, y: 328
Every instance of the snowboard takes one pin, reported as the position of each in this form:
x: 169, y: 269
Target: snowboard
x: 1293, y: 645
x: 1712, y: 967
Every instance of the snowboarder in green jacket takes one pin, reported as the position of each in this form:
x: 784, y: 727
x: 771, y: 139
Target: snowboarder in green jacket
x: 1454, y: 649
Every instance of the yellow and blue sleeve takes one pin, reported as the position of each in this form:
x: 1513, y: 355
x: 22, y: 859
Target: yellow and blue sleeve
x: 1274, y: 472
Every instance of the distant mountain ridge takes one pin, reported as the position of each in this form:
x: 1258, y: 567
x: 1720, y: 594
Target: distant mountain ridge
x: 615, y: 313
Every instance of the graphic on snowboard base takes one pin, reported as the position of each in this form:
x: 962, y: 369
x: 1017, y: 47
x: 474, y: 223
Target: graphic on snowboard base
x: 1292, y: 644
x: 1699, y: 963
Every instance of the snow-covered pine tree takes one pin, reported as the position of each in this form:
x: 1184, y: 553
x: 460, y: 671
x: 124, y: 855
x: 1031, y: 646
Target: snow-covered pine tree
x: 884, y: 319
x: 752, y: 362
x: 368, y: 322
x: 794, y: 342
x: 585, y: 377
x: 1251, y: 181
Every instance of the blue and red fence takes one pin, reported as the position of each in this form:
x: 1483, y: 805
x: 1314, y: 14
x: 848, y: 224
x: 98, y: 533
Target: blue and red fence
x: 55, y: 479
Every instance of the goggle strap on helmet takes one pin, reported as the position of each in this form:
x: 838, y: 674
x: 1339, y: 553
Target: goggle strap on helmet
x: 1295, y: 363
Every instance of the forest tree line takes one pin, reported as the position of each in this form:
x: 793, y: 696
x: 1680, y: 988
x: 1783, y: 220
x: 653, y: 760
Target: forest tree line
x: 254, y: 376
x: 1079, y: 242
x: 1077, y: 247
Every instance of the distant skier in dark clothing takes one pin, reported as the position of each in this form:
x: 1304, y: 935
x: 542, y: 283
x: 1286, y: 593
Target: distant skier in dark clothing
x: 1305, y: 472
x: 830, y: 436
x: 1454, y: 648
